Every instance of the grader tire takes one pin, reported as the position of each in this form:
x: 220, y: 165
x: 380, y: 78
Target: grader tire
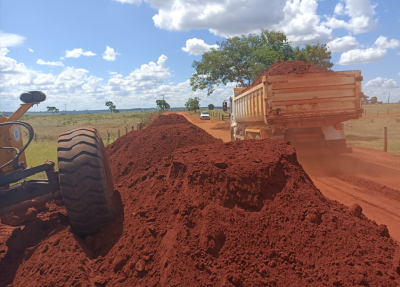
x: 85, y: 180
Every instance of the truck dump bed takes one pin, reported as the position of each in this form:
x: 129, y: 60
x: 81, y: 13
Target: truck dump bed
x: 302, y: 100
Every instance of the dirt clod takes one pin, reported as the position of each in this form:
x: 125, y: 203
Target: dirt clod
x: 355, y: 210
x: 19, y: 217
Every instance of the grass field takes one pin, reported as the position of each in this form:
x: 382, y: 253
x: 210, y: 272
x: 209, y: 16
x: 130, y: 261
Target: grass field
x: 364, y: 132
x: 373, y: 110
x: 48, y: 128
x: 368, y: 132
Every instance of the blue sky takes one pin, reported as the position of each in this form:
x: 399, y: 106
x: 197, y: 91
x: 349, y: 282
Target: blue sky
x: 131, y: 52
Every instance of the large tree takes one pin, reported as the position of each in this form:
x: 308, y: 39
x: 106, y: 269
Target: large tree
x: 112, y: 107
x: 318, y: 55
x: 162, y: 105
x: 242, y: 59
x: 193, y: 104
x: 52, y: 110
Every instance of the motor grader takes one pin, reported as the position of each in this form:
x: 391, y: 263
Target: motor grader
x: 82, y: 183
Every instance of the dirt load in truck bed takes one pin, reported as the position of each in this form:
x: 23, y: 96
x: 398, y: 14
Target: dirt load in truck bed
x: 287, y: 68
x: 205, y: 213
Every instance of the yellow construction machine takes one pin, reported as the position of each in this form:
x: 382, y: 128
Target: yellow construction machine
x: 83, y: 181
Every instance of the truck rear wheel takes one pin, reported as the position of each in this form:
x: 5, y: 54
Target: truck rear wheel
x: 249, y: 136
x: 85, y: 180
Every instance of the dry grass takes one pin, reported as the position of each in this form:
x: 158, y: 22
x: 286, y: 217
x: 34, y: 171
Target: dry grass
x: 368, y: 132
x: 48, y: 128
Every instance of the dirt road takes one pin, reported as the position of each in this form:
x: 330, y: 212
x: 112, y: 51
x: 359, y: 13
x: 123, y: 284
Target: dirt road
x: 368, y: 177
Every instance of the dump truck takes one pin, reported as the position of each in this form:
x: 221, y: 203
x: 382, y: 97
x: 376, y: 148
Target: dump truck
x: 82, y: 183
x: 306, y: 109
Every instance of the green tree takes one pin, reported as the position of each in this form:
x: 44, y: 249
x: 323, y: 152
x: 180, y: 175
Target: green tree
x: 373, y: 100
x: 112, y: 107
x: 193, y: 104
x: 210, y: 107
x: 318, y: 55
x: 162, y: 105
x: 52, y: 110
x: 242, y: 59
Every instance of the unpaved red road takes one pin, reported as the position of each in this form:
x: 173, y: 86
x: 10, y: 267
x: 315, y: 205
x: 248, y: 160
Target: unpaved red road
x: 368, y: 177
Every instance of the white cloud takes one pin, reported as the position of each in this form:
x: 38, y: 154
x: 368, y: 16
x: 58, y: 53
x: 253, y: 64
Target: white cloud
x: 30, y: 50
x: 113, y: 73
x: 381, y: 88
x: 141, y: 88
x: 381, y: 83
x: 10, y: 40
x: 41, y: 62
x: 9, y: 65
x: 76, y: 53
x: 343, y: 44
x: 219, y: 17
x: 110, y: 54
x: 62, y: 58
x: 362, y: 56
x: 339, y: 9
x: 196, y: 46
x: 373, y: 54
x: 301, y: 23
x: 383, y: 43
x: 129, y: 1
x: 297, y: 18
x: 361, y: 16
x: 44, y: 79
x: 149, y: 76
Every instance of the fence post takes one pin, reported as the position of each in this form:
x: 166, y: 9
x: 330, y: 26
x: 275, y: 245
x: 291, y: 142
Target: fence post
x: 385, y: 139
x: 35, y: 138
x: 126, y: 130
x: 119, y: 134
x: 132, y: 127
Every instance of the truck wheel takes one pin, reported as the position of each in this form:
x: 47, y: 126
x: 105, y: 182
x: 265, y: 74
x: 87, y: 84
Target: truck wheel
x: 85, y: 180
x: 249, y: 136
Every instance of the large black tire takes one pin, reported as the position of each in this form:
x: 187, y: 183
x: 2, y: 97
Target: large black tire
x: 85, y: 180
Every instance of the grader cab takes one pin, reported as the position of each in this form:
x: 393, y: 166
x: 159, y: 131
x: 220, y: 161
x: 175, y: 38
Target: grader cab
x: 82, y: 183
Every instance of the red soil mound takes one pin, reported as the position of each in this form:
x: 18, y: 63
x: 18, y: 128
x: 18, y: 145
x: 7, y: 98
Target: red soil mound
x: 236, y: 214
x: 287, y: 68
x: 140, y: 150
x: 170, y: 119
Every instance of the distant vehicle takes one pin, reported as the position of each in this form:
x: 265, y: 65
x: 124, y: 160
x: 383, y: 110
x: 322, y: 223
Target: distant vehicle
x: 204, y: 116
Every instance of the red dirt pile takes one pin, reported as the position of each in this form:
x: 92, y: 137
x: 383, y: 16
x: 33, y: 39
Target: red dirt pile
x: 287, y: 68
x: 235, y: 214
x: 140, y: 150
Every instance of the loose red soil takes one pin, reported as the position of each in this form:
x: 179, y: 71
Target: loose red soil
x: 211, y: 214
x: 287, y: 68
